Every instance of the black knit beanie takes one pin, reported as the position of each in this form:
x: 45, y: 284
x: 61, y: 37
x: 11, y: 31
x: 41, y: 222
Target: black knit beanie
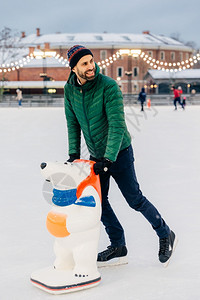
x: 75, y: 53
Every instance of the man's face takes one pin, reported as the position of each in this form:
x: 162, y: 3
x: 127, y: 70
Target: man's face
x: 85, y: 69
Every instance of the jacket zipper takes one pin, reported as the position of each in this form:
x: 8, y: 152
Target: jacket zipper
x: 84, y: 110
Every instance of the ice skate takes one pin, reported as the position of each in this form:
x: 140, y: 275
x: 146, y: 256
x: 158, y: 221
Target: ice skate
x: 112, y: 256
x: 167, y: 247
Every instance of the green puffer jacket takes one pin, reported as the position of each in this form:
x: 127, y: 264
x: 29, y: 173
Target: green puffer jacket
x: 96, y: 108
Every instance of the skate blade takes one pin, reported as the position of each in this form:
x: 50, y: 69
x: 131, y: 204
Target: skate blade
x: 117, y: 261
x: 167, y: 262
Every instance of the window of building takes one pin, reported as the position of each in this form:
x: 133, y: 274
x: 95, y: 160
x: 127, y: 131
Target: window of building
x: 103, y: 71
x: 186, y: 55
x: 99, y: 37
x: 150, y: 53
x: 103, y: 54
x: 119, y: 72
x: 172, y: 55
x: 135, y: 71
x: 162, y: 55
x: 135, y: 88
x: 180, y: 56
x: 126, y: 38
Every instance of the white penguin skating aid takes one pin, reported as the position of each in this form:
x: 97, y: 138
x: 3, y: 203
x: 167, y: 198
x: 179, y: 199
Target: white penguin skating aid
x: 74, y: 220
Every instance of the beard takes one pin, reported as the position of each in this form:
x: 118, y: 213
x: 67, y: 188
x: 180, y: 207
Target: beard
x: 85, y: 76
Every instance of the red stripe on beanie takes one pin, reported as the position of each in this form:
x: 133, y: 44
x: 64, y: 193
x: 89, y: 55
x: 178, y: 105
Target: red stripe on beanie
x: 75, y: 52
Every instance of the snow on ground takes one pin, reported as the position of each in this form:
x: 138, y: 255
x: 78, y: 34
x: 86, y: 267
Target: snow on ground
x: 166, y: 145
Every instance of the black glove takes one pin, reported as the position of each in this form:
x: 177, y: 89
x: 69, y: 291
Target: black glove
x: 73, y: 156
x: 101, y: 167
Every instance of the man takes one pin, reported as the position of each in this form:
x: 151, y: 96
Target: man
x: 94, y: 104
x: 177, y: 96
x: 19, y: 97
x: 142, y: 98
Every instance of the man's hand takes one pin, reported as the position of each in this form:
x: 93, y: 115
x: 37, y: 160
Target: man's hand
x: 101, y: 167
x: 72, y: 157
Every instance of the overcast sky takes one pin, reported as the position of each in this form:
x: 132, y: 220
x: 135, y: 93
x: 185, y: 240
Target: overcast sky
x: 179, y: 17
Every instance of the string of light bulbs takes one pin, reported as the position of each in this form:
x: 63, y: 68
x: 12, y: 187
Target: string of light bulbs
x: 15, y: 65
x: 155, y: 64
x: 62, y: 60
x: 102, y: 64
x: 19, y: 64
x: 170, y: 67
x: 105, y: 63
x: 24, y: 61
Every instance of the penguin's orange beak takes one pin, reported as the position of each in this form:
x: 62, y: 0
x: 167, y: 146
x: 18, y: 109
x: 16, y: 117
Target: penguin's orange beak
x: 56, y: 224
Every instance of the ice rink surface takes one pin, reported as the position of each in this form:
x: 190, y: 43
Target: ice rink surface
x: 167, y: 159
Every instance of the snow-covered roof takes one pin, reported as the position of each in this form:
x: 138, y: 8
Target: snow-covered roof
x: 18, y: 54
x: 91, y: 40
x: 33, y: 84
x: 185, y: 74
x: 103, y: 40
x: 49, y: 62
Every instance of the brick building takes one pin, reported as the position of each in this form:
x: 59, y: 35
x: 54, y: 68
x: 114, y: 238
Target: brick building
x: 128, y: 69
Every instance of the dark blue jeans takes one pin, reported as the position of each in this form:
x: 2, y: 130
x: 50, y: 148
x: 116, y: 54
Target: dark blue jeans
x: 178, y: 99
x: 123, y: 172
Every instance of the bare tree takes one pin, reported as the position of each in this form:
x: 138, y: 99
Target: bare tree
x: 9, y: 45
x: 9, y: 40
x: 177, y: 36
x: 191, y: 44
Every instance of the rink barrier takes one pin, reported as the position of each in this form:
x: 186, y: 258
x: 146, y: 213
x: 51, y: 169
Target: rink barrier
x: 58, y: 101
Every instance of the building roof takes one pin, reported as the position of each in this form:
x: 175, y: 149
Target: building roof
x: 49, y: 62
x: 184, y: 74
x: 105, y: 40
x: 91, y: 40
x: 33, y: 84
x: 18, y: 54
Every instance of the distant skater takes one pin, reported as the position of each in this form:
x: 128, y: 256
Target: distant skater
x: 142, y: 98
x: 184, y: 102
x: 19, y: 97
x: 177, y: 97
x: 180, y: 91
